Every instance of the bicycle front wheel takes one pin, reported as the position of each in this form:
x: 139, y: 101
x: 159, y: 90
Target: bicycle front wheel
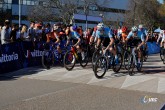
x: 69, y: 60
x: 95, y: 55
x: 161, y: 54
x: 100, y: 67
x: 84, y: 62
x: 131, y: 65
x: 47, y: 59
x: 117, y: 65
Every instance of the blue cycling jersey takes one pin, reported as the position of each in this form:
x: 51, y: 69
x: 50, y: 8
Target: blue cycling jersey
x: 139, y: 34
x: 142, y: 33
x: 106, y: 33
x: 75, y: 35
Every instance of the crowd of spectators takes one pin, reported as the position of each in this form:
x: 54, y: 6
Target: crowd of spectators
x: 37, y: 32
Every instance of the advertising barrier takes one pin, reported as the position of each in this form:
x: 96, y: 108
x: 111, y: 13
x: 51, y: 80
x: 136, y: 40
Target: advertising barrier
x: 18, y: 55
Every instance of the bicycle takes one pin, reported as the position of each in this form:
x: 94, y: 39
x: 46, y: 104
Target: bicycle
x: 162, y: 53
x: 105, y: 62
x: 133, y: 62
x: 145, y: 52
x: 98, y: 52
x: 72, y: 56
x: 51, y: 55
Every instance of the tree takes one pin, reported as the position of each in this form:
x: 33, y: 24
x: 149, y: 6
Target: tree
x: 142, y: 12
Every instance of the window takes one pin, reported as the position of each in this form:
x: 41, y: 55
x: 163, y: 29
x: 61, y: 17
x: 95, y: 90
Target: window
x: 9, y: 1
x: 15, y: 1
x: 24, y: 2
x: 28, y: 2
x: 8, y: 6
x: 1, y: 5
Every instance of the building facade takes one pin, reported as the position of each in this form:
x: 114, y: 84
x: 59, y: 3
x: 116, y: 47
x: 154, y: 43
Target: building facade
x: 108, y: 10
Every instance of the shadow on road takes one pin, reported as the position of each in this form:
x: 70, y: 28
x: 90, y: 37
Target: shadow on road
x: 22, y: 72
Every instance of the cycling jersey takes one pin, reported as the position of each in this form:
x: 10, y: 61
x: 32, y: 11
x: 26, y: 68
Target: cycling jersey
x: 161, y: 36
x: 139, y: 35
x: 74, y: 35
x: 142, y: 33
x: 106, y: 33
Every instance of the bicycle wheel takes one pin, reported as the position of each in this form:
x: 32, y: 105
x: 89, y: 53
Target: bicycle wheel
x: 95, y: 55
x: 69, y: 60
x: 84, y: 62
x: 126, y: 56
x: 139, y: 68
x: 161, y: 54
x: 131, y: 65
x: 164, y: 56
x: 117, y: 66
x: 100, y: 67
x: 47, y: 59
x: 145, y: 55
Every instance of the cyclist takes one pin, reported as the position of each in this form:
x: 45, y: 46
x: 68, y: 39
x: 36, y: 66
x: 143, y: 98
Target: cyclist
x: 93, y: 37
x: 54, y: 37
x: 162, y: 37
x: 124, y: 33
x: 105, y: 36
x: 135, y: 40
x: 75, y: 38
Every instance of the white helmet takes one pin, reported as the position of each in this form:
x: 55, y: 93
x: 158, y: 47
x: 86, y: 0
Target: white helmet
x: 162, y: 31
x: 140, y: 26
x: 134, y: 29
x: 100, y: 26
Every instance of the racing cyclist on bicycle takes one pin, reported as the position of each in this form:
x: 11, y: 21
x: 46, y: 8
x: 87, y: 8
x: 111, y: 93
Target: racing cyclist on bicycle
x: 162, y: 37
x: 76, y: 39
x: 105, y: 34
x: 54, y: 37
x: 136, y: 38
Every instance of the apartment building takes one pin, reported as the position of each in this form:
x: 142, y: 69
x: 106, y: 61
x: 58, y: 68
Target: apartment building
x: 109, y: 10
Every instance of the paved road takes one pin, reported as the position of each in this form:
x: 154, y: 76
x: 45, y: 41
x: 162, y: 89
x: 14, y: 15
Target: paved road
x: 58, y: 89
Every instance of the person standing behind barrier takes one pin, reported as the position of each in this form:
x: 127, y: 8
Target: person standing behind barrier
x: 5, y: 33
x: 31, y: 31
x: 14, y: 32
x: 0, y: 33
x: 24, y: 34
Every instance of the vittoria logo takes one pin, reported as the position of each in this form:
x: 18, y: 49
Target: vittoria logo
x: 35, y: 53
x: 8, y: 58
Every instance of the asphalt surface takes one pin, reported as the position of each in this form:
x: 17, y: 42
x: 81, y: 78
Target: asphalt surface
x: 58, y: 89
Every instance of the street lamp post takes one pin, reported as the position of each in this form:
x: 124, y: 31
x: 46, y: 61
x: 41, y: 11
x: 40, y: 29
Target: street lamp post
x: 86, y: 11
x: 101, y: 15
x: 19, y: 13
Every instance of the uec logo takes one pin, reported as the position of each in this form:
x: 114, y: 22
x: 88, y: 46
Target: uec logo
x: 148, y: 99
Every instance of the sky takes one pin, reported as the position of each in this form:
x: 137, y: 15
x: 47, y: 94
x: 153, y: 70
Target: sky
x: 161, y: 1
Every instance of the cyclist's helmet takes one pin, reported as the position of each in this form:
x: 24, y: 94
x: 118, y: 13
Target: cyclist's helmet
x: 124, y: 29
x: 140, y: 26
x: 134, y: 29
x: 100, y: 26
x: 74, y: 27
x: 162, y: 31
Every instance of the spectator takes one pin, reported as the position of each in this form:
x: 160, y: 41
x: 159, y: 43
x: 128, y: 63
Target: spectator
x: 24, y: 34
x: 0, y: 33
x: 38, y: 32
x: 31, y: 30
x: 5, y: 33
x: 14, y: 32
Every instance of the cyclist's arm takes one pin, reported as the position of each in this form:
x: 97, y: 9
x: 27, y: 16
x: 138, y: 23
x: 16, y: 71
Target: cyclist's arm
x: 143, y: 41
x: 110, y: 43
x: 79, y: 40
x: 128, y: 37
x: 158, y: 38
x: 147, y: 36
x: 77, y: 36
x: 57, y: 37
